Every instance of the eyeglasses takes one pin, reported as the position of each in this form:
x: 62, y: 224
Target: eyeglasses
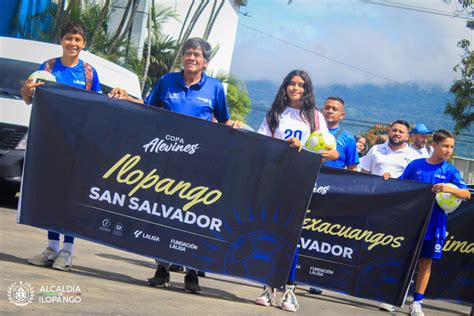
x: 191, y: 53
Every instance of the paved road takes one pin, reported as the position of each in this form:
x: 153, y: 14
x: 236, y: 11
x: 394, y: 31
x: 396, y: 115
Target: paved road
x: 112, y: 282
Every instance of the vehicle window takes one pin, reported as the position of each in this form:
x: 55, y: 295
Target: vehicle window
x: 13, y: 73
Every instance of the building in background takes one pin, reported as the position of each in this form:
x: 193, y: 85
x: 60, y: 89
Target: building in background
x: 224, y: 13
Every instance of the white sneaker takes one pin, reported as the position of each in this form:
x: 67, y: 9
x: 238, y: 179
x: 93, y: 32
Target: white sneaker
x: 387, y: 307
x: 288, y: 301
x: 46, y: 258
x: 415, y: 309
x: 63, y: 261
x: 267, y: 298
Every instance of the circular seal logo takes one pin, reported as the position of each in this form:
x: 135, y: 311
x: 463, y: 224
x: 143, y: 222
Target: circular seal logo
x: 20, y: 294
x: 119, y: 227
x: 106, y: 223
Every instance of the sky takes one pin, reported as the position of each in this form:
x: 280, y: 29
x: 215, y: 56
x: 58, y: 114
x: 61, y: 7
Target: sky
x: 350, y: 42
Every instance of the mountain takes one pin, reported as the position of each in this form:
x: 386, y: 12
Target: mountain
x: 367, y: 105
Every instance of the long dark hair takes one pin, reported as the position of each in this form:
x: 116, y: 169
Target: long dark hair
x: 308, y: 105
x: 363, y: 151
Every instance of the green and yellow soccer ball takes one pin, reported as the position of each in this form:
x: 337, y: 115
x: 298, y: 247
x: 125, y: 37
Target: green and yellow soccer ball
x: 320, y: 142
x: 447, y: 201
x: 42, y: 75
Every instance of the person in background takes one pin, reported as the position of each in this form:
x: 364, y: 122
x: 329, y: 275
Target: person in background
x: 419, y: 136
x: 361, y: 144
x: 334, y: 112
x: 391, y: 157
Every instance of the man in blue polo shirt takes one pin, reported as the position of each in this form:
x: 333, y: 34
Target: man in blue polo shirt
x: 334, y: 112
x: 189, y: 92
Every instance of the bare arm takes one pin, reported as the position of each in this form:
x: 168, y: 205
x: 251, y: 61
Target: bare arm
x: 352, y: 167
x: 121, y: 94
x: 332, y: 154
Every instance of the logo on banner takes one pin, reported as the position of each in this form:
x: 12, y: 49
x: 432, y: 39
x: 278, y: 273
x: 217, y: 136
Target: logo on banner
x: 321, y: 190
x: 182, y: 245
x: 20, y: 294
x: 105, y: 225
x: 320, y: 271
x: 140, y: 233
x: 60, y: 294
x: 170, y: 143
x: 118, y: 229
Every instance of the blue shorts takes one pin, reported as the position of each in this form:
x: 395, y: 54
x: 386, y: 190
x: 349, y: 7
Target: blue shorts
x: 432, y: 249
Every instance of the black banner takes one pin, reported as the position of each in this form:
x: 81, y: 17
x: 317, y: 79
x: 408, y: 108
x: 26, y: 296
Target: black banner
x: 165, y: 185
x: 363, y: 234
x: 452, y: 277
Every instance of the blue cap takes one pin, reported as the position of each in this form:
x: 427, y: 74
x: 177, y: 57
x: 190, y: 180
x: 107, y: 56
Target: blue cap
x: 420, y: 128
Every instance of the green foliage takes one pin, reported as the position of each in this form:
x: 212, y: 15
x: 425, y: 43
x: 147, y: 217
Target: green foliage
x: 237, y: 97
x: 373, y: 135
x: 462, y: 110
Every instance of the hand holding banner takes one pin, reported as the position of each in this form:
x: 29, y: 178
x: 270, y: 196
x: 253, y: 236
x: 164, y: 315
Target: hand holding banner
x: 165, y: 185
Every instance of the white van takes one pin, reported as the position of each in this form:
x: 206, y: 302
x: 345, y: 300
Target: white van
x: 18, y: 59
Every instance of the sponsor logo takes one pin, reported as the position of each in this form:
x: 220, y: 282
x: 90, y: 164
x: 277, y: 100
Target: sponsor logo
x: 182, y: 246
x: 105, y: 225
x: 20, y: 294
x: 79, y: 82
x: 118, y: 229
x: 320, y: 271
x: 52, y: 294
x: 440, y: 176
x: 207, y: 101
x: 141, y: 234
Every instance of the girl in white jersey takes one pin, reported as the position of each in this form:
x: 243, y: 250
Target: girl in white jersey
x: 294, y: 113
x: 293, y: 116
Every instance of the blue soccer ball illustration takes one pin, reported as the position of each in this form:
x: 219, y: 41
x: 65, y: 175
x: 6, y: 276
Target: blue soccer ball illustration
x: 255, y: 256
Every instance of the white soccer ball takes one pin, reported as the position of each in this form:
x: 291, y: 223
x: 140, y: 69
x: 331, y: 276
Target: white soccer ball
x: 42, y: 75
x: 447, y: 201
x: 320, y: 141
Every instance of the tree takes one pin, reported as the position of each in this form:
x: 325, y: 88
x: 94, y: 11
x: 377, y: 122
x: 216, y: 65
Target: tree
x: 375, y: 132
x: 462, y: 111
x: 237, y: 97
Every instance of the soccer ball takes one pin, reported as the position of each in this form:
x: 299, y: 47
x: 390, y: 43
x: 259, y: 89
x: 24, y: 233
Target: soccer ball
x: 447, y: 201
x: 320, y: 141
x: 42, y: 75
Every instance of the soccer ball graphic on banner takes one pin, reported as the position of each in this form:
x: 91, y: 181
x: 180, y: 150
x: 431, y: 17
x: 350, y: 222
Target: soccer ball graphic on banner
x: 320, y: 141
x: 447, y: 201
x: 42, y: 75
x: 256, y: 255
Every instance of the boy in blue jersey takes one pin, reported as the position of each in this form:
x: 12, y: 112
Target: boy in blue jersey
x: 438, y: 171
x: 190, y: 92
x: 334, y: 112
x: 70, y: 70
